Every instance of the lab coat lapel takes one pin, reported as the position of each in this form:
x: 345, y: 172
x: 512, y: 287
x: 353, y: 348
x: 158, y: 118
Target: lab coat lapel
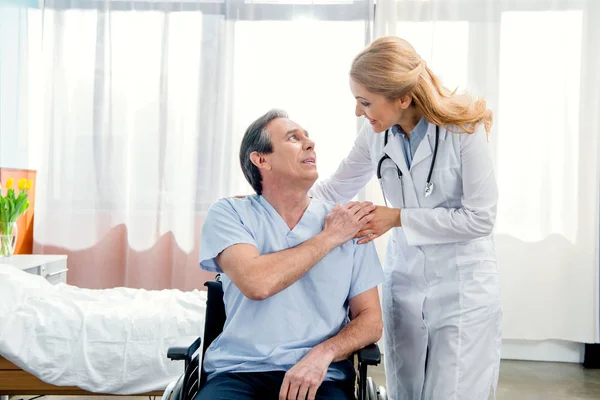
x: 394, y: 150
x: 424, y: 150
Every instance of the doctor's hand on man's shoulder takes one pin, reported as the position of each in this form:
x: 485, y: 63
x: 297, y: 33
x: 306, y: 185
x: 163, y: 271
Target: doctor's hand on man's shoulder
x: 344, y: 222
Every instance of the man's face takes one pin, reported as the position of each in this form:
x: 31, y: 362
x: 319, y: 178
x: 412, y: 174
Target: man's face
x: 293, y: 156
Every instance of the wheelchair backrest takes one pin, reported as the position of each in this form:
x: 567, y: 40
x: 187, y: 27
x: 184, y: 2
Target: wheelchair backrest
x: 214, y: 319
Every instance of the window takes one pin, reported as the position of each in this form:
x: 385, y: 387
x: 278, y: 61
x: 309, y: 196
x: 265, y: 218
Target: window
x: 494, y: 50
x: 304, y: 70
x: 444, y: 44
x: 148, y: 103
x: 539, y: 119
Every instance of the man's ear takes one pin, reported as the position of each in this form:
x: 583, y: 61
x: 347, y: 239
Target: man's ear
x: 404, y: 102
x: 260, y: 161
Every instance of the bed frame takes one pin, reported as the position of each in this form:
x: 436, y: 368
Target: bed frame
x: 15, y: 381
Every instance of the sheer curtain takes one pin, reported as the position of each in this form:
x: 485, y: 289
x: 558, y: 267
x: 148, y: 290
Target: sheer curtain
x: 135, y: 111
x: 13, y: 53
x: 536, y: 63
x: 132, y: 113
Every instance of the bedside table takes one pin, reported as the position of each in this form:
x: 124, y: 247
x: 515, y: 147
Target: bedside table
x: 52, y: 267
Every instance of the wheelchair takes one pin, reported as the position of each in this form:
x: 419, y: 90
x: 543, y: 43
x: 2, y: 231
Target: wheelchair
x: 194, y: 377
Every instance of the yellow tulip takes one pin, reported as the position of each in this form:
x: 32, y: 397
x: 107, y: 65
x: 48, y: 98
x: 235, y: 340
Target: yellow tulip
x: 21, y: 184
x: 29, y: 185
x: 9, y: 183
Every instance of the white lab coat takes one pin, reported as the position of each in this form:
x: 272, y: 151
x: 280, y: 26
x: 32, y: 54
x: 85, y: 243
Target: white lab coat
x: 441, y: 293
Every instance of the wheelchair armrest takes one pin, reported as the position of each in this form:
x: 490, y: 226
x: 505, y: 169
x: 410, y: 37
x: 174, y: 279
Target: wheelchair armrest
x: 184, y: 353
x: 369, y: 355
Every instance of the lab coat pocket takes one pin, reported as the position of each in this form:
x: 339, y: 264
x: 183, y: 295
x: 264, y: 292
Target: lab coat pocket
x: 449, y: 181
x: 476, y: 257
x: 477, y: 274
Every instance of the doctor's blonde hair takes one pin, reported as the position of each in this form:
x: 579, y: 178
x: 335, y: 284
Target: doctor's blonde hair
x: 391, y: 67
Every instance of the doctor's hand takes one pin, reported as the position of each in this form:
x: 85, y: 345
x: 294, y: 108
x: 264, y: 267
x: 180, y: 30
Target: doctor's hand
x: 384, y: 219
x: 304, y: 379
x: 344, y: 222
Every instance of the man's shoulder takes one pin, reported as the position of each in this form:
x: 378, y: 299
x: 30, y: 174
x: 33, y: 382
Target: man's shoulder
x: 324, y: 205
x: 230, y: 211
x: 239, y: 205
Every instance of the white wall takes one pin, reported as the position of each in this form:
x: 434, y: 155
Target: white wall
x: 543, y: 350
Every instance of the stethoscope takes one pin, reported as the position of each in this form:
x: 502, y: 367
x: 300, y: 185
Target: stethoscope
x: 428, y: 184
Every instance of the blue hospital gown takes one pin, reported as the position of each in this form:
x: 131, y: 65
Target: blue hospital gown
x: 274, y: 334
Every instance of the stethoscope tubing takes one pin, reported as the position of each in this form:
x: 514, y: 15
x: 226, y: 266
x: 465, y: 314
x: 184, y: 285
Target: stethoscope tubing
x: 428, y: 184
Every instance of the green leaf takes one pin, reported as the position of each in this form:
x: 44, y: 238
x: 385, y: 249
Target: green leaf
x: 13, y: 206
x: 18, y: 204
x: 24, y: 207
x: 3, y: 209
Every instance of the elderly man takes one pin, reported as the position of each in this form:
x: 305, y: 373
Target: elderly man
x: 291, y: 270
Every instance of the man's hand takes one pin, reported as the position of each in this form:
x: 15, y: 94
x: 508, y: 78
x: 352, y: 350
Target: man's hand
x: 344, y: 222
x: 304, y: 379
x: 382, y: 220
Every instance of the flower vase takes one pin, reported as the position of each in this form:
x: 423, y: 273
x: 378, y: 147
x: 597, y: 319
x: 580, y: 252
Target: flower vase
x: 8, y: 238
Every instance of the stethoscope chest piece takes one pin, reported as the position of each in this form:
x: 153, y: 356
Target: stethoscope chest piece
x: 428, y: 189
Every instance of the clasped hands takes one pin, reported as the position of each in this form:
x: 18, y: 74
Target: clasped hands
x: 382, y: 220
x: 361, y: 220
x: 373, y: 221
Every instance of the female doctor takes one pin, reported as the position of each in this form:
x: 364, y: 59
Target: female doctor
x: 428, y: 148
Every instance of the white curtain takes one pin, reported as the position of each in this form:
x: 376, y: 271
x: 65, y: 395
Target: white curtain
x: 134, y: 111
x: 13, y: 53
x: 536, y: 62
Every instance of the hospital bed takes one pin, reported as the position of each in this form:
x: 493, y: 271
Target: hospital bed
x: 64, y: 340
x: 15, y: 381
x: 194, y: 377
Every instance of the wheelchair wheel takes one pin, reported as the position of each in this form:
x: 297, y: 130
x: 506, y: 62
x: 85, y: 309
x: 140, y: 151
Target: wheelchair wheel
x: 371, y: 389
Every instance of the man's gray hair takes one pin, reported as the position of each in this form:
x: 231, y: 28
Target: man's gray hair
x: 257, y: 138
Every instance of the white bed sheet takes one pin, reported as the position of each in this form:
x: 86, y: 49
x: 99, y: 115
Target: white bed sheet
x: 104, y: 341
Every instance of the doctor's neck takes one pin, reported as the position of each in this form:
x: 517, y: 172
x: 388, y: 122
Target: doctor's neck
x: 289, y: 201
x: 409, y: 118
